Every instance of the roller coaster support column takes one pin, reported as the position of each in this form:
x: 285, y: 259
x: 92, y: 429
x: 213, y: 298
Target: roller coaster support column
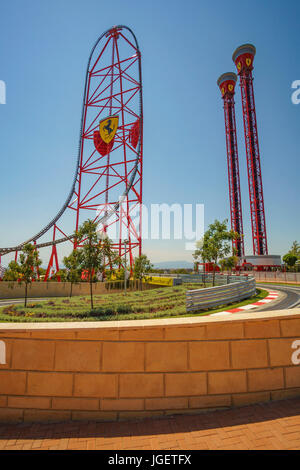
x: 53, y: 258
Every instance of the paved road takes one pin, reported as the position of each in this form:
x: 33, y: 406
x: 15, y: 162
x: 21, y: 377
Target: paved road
x: 290, y: 297
x: 5, y: 302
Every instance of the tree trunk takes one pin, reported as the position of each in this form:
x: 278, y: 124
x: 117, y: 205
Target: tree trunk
x: 71, y: 289
x: 214, y: 273
x: 91, y: 292
x: 25, y: 303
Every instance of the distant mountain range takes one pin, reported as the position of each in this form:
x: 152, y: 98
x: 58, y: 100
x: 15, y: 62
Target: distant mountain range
x: 173, y: 265
x: 168, y: 265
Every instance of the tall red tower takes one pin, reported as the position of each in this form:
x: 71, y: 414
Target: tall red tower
x: 226, y: 83
x: 243, y: 58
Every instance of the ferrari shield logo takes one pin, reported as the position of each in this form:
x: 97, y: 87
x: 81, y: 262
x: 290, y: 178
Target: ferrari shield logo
x: 108, y: 128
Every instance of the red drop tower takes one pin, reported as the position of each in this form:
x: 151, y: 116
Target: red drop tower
x: 226, y: 83
x: 243, y: 58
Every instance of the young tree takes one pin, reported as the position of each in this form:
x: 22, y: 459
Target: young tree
x: 215, y: 244
x: 110, y: 255
x: 229, y: 263
x: 72, y: 264
x: 202, y: 253
x: 42, y: 272
x: 223, y: 264
x: 142, y: 265
x: 295, y: 249
x: 13, y: 272
x: 289, y: 259
x: 93, y: 252
x: 91, y: 258
x: 196, y: 264
x: 28, y: 266
x: 232, y: 262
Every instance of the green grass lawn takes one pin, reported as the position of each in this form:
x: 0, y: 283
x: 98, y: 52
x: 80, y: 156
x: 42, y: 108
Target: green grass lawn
x: 279, y: 283
x: 154, y: 303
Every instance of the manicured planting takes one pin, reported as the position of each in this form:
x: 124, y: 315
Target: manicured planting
x: 155, y: 303
x: 287, y: 284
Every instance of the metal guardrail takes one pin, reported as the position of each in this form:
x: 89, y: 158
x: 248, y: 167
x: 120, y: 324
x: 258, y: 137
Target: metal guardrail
x: 220, y: 278
x: 236, y: 290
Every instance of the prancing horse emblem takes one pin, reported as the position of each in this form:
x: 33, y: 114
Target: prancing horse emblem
x: 108, y: 128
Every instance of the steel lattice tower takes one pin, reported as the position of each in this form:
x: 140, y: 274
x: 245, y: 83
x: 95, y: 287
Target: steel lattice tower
x: 108, y: 181
x: 243, y: 58
x: 226, y: 83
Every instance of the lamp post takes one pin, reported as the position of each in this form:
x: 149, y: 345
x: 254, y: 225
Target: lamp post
x: 125, y: 267
x: 101, y: 237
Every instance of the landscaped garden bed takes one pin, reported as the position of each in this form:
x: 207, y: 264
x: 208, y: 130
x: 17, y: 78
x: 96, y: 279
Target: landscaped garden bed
x: 155, y: 303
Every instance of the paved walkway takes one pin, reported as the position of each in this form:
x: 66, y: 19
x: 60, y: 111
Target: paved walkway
x: 274, y: 425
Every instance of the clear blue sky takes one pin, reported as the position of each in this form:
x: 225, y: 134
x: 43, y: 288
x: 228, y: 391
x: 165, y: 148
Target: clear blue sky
x: 44, y: 46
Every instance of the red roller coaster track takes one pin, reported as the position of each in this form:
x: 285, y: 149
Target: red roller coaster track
x: 107, y: 186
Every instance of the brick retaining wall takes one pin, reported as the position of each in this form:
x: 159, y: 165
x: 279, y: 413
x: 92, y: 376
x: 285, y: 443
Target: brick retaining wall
x: 16, y: 290
x: 124, y: 370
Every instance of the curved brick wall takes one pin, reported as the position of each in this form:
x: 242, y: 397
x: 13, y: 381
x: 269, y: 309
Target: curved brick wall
x: 123, y: 370
x: 16, y: 290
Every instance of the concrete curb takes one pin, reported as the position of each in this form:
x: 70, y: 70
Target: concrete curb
x: 273, y: 295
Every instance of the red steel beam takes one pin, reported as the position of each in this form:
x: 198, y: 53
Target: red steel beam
x: 226, y: 83
x: 243, y: 58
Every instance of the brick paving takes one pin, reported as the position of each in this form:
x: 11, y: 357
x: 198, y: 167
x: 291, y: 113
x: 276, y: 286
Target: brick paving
x: 269, y: 426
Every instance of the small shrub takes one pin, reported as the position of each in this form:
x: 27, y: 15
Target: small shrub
x: 10, y: 310
x: 29, y: 314
x: 138, y: 309
x: 97, y: 312
x: 121, y: 309
x: 109, y: 311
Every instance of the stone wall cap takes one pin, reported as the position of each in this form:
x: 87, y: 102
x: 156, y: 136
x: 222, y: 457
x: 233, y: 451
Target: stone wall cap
x: 164, y: 322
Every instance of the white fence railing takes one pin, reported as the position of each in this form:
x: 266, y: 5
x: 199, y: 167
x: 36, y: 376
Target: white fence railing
x: 238, y: 289
x: 276, y: 276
